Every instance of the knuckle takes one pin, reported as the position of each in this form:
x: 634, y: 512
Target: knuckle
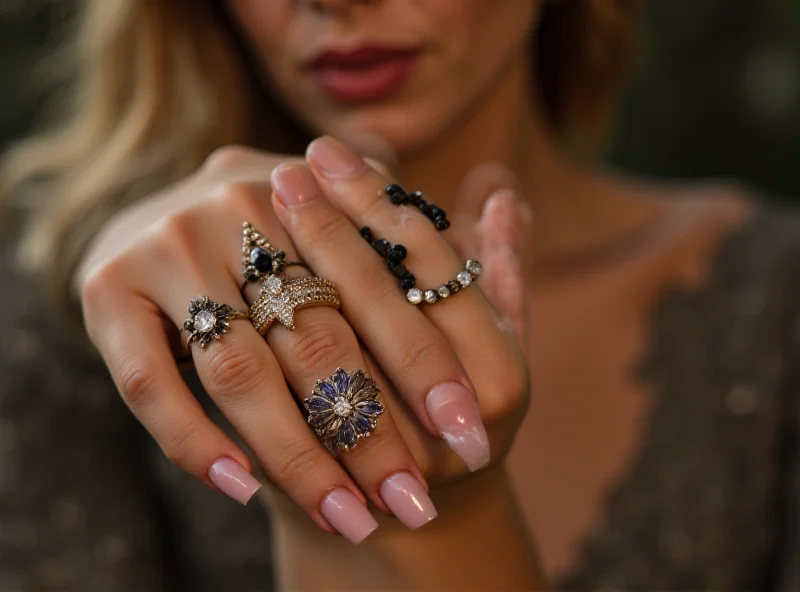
x: 317, y: 345
x: 245, y: 195
x: 98, y: 284
x: 228, y: 158
x: 298, y: 461
x: 181, y: 443
x: 416, y: 351
x: 137, y: 384
x: 232, y: 370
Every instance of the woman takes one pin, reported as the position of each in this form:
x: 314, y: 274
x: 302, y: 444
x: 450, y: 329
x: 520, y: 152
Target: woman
x: 681, y: 475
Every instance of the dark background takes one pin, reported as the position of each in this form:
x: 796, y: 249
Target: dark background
x: 717, y: 92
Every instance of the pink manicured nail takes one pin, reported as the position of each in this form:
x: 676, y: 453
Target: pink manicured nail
x: 333, y: 158
x: 408, y: 500
x: 294, y: 184
x: 233, y: 480
x: 348, y: 515
x: 455, y: 414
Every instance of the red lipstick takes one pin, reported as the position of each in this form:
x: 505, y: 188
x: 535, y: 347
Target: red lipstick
x: 365, y: 73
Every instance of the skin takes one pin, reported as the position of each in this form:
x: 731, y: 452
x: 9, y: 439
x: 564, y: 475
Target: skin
x: 469, y: 102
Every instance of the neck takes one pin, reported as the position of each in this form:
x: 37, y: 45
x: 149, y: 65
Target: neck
x: 574, y: 210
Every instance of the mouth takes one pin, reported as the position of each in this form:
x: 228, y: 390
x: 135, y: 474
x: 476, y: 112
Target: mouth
x: 364, y: 73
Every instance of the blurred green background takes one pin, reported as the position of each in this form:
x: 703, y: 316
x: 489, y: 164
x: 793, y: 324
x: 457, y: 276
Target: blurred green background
x: 717, y: 92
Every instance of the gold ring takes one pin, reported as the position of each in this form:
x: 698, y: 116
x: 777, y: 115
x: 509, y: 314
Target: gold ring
x: 280, y: 297
x: 259, y: 258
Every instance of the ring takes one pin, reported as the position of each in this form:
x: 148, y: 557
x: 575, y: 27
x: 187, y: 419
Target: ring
x: 343, y: 409
x: 209, y: 320
x: 259, y: 258
x: 472, y: 270
x: 280, y: 297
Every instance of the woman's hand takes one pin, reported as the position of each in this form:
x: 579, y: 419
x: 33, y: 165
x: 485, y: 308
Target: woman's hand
x: 454, y: 366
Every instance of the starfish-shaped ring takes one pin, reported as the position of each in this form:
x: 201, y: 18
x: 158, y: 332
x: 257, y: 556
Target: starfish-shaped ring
x: 281, y: 296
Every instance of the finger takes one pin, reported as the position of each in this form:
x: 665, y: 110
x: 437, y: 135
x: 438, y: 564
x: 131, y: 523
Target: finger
x: 493, y: 359
x: 243, y: 378
x: 500, y: 235
x: 132, y: 342
x: 415, y: 355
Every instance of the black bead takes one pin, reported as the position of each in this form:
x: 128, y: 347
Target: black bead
x: 415, y: 197
x: 398, y: 252
x: 422, y: 205
x: 366, y: 232
x: 261, y: 260
x: 436, y: 213
x: 394, y: 188
x: 442, y: 224
x: 382, y: 246
x: 408, y: 281
x: 393, y: 261
x: 454, y: 286
x: 400, y: 270
x: 398, y: 199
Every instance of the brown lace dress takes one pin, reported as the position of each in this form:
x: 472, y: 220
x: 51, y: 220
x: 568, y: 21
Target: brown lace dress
x: 88, y: 503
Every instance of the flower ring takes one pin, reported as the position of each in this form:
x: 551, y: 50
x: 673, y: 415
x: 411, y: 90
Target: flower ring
x: 342, y: 409
x: 209, y: 320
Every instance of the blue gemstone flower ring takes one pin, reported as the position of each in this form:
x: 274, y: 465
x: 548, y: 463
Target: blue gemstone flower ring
x: 343, y: 409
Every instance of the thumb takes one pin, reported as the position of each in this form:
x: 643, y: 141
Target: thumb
x: 503, y: 230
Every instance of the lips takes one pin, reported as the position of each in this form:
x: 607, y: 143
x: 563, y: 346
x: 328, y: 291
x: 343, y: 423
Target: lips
x: 365, y: 73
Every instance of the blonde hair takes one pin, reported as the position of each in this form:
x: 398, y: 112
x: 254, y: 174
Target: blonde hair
x: 159, y: 87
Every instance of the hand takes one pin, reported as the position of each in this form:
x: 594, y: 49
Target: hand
x: 452, y: 364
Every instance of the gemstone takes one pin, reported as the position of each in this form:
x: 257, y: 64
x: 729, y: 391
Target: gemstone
x: 431, y: 296
x: 454, y: 286
x: 436, y: 213
x: 422, y: 205
x: 362, y: 424
x: 414, y: 295
x: 370, y: 407
x: 341, y: 379
x: 399, y: 270
x: 398, y: 252
x: 261, y: 260
x: 347, y: 435
x: 382, y: 246
x: 444, y: 292
x: 394, y: 188
x: 341, y: 407
x: 327, y: 390
x: 366, y: 232
x: 408, y: 281
x: 273, y: 284
x: 464, y: 278
x: 317, y: 404
x: 442, y: 224
x: 398, y: 198
x: 474, y: 267
x: 415, y: 197
x: 204, y: 321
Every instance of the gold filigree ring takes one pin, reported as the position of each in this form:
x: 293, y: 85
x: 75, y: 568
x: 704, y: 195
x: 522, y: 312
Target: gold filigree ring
x: 280, y: 297
x: 209, y: 321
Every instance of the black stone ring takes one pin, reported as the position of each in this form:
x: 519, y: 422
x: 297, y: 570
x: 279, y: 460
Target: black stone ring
x: 259, y: 258
x: 343, y: 409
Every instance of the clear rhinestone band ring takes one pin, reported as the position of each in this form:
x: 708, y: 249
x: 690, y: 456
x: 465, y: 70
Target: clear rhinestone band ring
x: 472, y: 270
x: 280, y: 297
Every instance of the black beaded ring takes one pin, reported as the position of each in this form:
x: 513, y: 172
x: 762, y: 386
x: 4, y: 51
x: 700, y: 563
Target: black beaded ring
x: 394, y: 255
x: 435, y: 214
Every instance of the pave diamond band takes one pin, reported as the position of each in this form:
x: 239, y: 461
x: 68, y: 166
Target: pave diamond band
x: 280, y: 297
x: 472, y: 270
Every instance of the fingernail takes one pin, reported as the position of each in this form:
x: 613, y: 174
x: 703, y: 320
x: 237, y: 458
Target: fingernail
x: 294, y: 184
x: 333, y: 158
x: 408, y: 500
x: 233, y: 480
x: 348, y: 515
x: 455, y: 414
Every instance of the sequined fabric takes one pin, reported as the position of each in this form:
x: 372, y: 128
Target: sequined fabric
x: 88, y: 503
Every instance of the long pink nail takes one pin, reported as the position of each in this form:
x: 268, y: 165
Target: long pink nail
x: 233, y: 480
x: 455, y: 413
x: 408, y: 500
x: 333, y: 158
x: 348, y: 515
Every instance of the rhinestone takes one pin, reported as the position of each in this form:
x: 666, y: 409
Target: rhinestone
x: 474, y: 267
x: 273, y: 284
x: 444, y: 292
x: 431, y: 296
x: 261, y: 260
x: 464, y: 278
x: 341, y: 407
x: 414, y: 295
x: 204, y: 321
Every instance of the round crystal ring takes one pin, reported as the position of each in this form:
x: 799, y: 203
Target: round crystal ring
x: 209, y: 321
x: 464, y: 278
